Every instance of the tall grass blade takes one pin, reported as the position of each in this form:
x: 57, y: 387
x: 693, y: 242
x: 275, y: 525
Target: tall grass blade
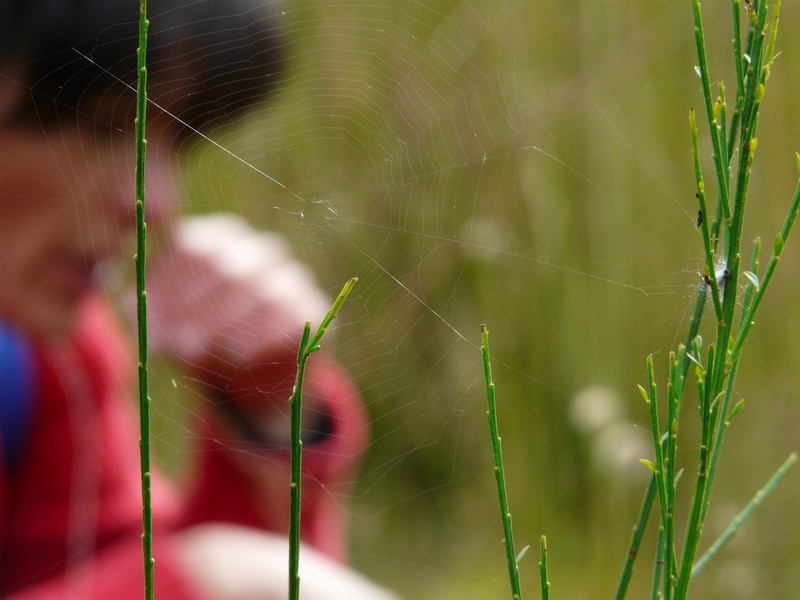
x: 499, y: 473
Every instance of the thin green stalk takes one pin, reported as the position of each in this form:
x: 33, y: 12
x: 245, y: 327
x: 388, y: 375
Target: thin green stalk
x: 780, y: 242
x: 695, y: 523
x: 755, y: 81
x: 722, y: 426
x: 304, y: 352
x: 658, y: 570
x: 739, y: 60
x: 709, y: 273
x: 659, y: 467
x: 669, y: 467
x: 753, y: 74
x: 499, y: 473
x: 141, y: 305
x: 647, y: 503
x: 742, y: 516
x: 543, y: 569
x: 636, y: 539
x: 721, y: 169
x: 722, y: 120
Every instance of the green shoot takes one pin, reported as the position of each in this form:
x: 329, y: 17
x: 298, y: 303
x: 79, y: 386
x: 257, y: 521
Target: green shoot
x: 499, y: 473
x: 304, y: 352
x: 141, y: 305
x: 658, y: 570
x: 636, y: 539
x: 715, y: 378
x: 543, y: 569
x: 742, y: 516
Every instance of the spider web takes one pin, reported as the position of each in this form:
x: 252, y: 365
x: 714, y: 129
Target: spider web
x: 527, y: 166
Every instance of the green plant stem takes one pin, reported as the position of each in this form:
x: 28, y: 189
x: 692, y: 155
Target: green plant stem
x: 141, y: 305
x: 304, y: 352
x: 636, y: 538
x: 721, y: 169
x: 709, y: 273
x: 695, y: 523
x: 722, y: 425
x: 669, y: 465
x: 780, y: 242
x: 743, y: 516
x: 753, y: 74
x: 499, y: 473
x: 739, y: 61
x: 658, y: 570
x: 543, y: 569
x: 661, y: 471
x: 296, y: 404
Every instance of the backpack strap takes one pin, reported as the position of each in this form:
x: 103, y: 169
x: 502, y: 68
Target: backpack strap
x: 16, y: 392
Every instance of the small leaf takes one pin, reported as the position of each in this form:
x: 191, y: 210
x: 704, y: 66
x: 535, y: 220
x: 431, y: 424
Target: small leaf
x: 753, y: 278
x: 678, y: 476
x: 736, y: 409
x: 797, y: 155
x: 697, y: 70
x: 644, y: 394
x: 649, y: 465
x: 715, y: 109
x: 522, y: 553
x: 691, y: 357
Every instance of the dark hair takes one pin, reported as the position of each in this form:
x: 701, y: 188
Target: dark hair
x: 207, y: 59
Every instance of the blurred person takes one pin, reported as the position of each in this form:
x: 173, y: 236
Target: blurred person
x: 226, y: 302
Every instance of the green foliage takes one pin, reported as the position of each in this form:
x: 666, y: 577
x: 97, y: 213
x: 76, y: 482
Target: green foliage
x: 716, y: 379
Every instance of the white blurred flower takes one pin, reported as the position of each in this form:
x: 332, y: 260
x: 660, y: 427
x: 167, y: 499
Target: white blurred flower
x: 618, y: 448
x: 616, y: 445
x: 594, y: 408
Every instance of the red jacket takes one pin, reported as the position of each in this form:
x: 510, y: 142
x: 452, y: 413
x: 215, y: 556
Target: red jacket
x: 70, y: 512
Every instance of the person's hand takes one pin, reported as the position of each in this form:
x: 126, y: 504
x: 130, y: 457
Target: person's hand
x: 226, y: 293
x: 229, y: 303
x: 237, y: 563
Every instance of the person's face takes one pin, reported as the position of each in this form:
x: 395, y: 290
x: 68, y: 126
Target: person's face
x: 67, y: 205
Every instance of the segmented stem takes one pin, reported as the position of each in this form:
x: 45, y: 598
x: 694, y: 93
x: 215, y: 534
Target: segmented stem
x: 308, y: 346
x: 141, y: 304
x: 499, y: 473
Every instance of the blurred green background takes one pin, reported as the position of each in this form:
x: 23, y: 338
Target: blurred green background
x: 526, y: 165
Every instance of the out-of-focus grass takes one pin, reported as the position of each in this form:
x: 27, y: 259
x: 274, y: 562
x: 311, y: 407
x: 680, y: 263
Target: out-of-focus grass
x: 573, y: 237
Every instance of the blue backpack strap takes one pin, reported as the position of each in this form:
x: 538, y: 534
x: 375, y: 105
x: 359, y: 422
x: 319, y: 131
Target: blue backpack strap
x: 16, y: 392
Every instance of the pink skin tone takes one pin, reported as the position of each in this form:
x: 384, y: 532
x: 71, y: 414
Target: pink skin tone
x: 66, y: 205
